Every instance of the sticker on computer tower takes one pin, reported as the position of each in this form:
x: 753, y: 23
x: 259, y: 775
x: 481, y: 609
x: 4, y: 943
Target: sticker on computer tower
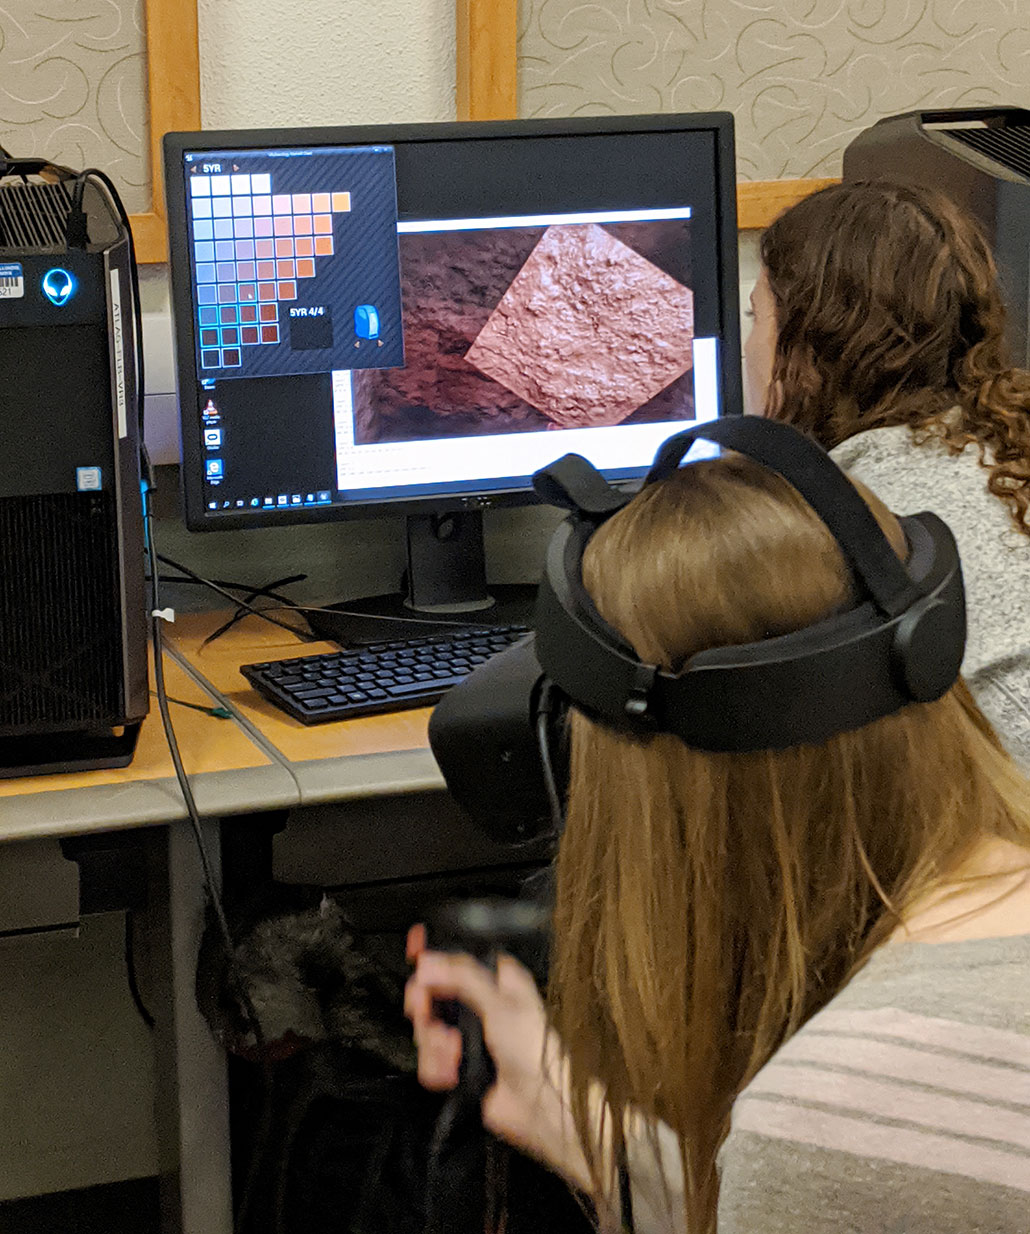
x: 88, y: 479
x: 12, y: 280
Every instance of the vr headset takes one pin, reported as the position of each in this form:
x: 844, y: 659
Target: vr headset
x: 496, y: 736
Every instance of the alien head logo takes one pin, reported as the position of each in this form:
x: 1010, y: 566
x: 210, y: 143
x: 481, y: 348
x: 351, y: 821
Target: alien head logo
x: 58, y: 286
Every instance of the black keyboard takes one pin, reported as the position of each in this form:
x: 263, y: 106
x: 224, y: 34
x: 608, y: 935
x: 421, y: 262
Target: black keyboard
x: 386, y: 676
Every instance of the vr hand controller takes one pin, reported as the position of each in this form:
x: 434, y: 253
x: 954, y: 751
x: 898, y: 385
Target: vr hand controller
x: 484, y: 929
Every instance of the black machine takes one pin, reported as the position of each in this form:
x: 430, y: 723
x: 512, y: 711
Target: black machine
x: 73, y: 659
x: 978, y: 157
x: 902, y: 642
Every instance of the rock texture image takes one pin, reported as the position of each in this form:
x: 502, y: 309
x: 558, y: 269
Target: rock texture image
x: 452, y: 283
x: 589, y: 330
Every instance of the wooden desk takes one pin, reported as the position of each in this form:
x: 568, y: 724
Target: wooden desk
x: 230, y: 771
x: 340, y: 761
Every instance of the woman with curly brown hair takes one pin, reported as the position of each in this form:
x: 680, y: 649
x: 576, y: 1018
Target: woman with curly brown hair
x: 879, y: 330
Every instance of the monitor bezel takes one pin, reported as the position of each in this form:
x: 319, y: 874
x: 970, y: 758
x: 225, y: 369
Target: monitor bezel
x: 176, y: 145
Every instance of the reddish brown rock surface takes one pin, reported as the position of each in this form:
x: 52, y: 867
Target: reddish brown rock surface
x: 451, y: 284
x: 589, y: 330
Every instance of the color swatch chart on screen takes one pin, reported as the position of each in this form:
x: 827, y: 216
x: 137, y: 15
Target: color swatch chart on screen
x: 251, y: 249
x: 294, y: 261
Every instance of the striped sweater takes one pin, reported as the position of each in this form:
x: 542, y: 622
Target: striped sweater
x: 901, y: 1108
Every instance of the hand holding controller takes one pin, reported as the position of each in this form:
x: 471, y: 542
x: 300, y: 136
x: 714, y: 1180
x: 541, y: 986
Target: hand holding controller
x: 483, y: 929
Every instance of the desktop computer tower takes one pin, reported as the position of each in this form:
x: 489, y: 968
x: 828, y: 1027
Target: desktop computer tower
x: 73, y: 630
x: 980, y: 159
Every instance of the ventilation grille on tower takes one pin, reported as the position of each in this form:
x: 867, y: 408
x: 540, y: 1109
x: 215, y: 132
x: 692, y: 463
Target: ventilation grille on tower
x: 1009, y: 146
x: 33, y: 215
x: 60, y: 624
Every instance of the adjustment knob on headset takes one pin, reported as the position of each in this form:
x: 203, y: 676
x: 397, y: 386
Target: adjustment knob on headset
x: 928, y: 647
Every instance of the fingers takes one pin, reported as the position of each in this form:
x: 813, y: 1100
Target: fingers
x: 439, y: 1056
x: 457, y: 976
x: 416, y: 943
x: 515, y: 980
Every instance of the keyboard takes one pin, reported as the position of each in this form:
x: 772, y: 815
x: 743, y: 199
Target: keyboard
x: 386, y: 676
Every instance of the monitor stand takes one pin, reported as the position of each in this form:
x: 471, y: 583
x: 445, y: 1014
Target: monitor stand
x: 444, y: 583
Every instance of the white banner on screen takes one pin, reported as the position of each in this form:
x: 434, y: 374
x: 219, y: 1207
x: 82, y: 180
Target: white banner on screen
x: 447, y: 460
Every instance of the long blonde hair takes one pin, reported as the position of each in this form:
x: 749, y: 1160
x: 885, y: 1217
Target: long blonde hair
x: 708, y: 904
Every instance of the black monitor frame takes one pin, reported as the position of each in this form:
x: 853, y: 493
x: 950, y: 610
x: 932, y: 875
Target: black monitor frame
x: 177, y: 144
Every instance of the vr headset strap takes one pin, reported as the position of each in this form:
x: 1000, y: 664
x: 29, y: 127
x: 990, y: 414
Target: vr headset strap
x: 805, y: 465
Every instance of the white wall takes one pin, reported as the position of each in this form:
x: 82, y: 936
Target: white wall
x: 265, y: 63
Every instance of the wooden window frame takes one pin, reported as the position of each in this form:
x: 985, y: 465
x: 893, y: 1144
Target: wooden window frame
x: 173, y: 102
x: 488, y: 90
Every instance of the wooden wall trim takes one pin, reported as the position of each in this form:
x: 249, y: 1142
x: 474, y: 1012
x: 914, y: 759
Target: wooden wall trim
x: 173, y: 102
x: 488, y: 90
x: 487, y: 55
x: 760, y: 201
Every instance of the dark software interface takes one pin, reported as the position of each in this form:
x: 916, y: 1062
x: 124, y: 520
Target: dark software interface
x: 389, y: 322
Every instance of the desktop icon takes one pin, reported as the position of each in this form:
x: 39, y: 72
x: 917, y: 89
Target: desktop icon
x: 214, y: 469
x: 366, y: 321
x: 212, y: 438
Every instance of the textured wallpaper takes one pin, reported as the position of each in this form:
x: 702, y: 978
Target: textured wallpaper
x: 801, y: 76
x: 73, y: 87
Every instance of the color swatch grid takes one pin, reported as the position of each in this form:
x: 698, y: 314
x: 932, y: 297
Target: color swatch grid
x: 251, y: 247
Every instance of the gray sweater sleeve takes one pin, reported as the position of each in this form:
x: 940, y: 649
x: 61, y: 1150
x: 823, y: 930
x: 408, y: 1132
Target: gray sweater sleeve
x: 995, y: 562
x: 902, y: 1108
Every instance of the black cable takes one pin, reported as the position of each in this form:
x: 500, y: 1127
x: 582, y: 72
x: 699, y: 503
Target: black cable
x: 233, y: 974
x: 130, y: 972
x: 546, y: 707
x: 291, y: 606
x: 254, y: 593
x: 224, y: 591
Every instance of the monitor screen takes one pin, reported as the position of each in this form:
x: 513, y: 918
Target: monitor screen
x: 424, y: 316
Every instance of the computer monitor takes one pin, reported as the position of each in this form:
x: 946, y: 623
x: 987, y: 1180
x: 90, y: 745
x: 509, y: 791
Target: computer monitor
x: 413, y: 319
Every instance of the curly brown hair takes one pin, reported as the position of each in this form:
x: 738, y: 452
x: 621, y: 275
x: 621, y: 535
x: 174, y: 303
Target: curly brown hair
x: 888, y: 313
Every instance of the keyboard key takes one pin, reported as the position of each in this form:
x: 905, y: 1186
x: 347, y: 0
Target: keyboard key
x: 419, y: 687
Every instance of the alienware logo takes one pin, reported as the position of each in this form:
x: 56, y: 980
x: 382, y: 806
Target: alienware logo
x: 58, y: 286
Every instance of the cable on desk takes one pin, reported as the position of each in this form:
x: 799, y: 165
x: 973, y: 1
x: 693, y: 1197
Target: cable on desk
x: 287, y: 605
x: 193, y: 576
x: 253, y: 592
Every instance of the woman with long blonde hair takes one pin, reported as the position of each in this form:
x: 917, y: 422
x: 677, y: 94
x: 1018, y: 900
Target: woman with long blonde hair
x: 790, y: 988
x: 879, y: 329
